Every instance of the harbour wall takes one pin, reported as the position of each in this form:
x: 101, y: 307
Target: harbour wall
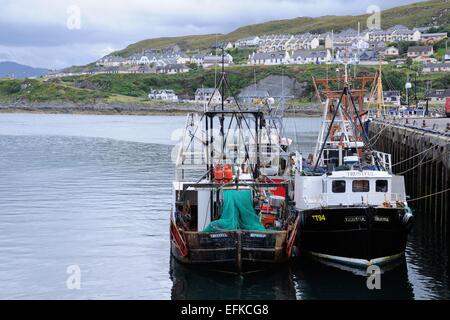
x: 422, y: 156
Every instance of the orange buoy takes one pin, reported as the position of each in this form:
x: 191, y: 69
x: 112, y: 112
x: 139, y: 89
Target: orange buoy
x: 218, y: 173
x: 228, y: 173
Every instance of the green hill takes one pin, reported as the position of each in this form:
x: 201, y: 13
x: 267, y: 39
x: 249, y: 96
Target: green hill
x: 426, y: 13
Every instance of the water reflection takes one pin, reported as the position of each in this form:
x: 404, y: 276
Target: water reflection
x: 190, y: 283
x: 317, y: 280
x: 304, y: 279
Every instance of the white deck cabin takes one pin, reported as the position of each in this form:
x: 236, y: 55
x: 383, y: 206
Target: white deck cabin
x: 349, y: 188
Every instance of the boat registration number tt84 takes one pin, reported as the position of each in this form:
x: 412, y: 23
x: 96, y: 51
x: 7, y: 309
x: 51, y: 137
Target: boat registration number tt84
x: 318, y: 217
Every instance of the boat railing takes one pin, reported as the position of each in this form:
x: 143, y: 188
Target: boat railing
x: 398, y: 197
x: 385, y: 159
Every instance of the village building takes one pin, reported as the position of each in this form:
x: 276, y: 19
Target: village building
x: 269, y: 58
x: 305, y: 41
x: 208, y: 94
x: 272, y: 43
x: 417, y: 51
x: 311, y: 57
x: 438, y: 95
x: 447, y: 57
x: 369, y: 57
x: 172, y: 69
x: 110, y: 61
x: 253, y: 95
x: 394, y: 34
x: 346, y: 54
x: 163, y: 94
x: 247, y: 42
x: 213, y: 60
x: 425, y: 60
x: 436, y: 67
x: 391, y: 52
x: 432, y: 38
x: 391, y: 98
x: 197, y: 58
x: 141, y: 69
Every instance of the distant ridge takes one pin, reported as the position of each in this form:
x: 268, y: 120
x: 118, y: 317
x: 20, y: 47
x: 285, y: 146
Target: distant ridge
x: 9, y: 69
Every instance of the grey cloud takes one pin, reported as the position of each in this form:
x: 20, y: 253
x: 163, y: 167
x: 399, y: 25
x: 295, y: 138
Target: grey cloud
x: 115, y: 29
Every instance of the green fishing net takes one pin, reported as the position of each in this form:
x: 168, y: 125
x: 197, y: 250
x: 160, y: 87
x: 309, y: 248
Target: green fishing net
x: 237, y: 213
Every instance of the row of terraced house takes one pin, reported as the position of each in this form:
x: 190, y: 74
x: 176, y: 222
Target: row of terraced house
x: 350, y: 45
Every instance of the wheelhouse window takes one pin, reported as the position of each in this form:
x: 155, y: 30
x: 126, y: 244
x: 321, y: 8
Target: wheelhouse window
x: 338, y: 186
x: 360, y: 186
x: 381, y: 186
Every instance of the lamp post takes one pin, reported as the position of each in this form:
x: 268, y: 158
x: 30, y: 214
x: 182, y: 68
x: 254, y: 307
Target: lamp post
x: 408, y: 86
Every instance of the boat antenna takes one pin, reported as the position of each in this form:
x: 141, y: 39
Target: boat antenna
x: 215, y: 65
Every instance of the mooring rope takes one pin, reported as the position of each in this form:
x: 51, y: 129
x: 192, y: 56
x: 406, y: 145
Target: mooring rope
x: 376, y: 137
x: 429, y: 195
x: 422, y: 163
x: 416, y: 155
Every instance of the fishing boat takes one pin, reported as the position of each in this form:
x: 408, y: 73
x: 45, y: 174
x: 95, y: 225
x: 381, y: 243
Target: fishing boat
x: 353, y: 209
x: 232, y: 195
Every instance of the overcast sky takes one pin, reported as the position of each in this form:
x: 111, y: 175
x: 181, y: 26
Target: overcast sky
x: 46, y: 33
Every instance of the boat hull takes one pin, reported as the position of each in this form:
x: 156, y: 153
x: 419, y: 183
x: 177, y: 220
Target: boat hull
x: 233, y: 251
x: 358, y: 236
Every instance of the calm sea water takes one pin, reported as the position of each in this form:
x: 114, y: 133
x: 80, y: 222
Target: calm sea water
x: 94, y: 191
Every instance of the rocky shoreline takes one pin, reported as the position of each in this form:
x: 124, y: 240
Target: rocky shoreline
x: 126, y: 109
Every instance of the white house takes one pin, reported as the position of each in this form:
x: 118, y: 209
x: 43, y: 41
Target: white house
x: 301, y: 41
x: 390, y: 98
x: 144, y: 60
x: 360, y: 44
x: 163, y: 94
x: 212, y: 60
x: 110, y: 61
x: 416, y: 51
x: 197, y: 58
x: 182, y: 58
x: 311, y: 57
x: 269, y: 58
x: 394, y: 34
x: 229, y: 46
x: 447, y: 56
x: 172, y: 69
x: 207, y: 94
x: 436, y: 67
x: 391, y: 52
x: 247, y: 42
x: 272, y: 43
x: 253, y: 94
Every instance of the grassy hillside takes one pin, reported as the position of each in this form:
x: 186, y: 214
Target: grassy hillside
x: 39, y: 91
x: 413, y: 15
x: 134, y: 88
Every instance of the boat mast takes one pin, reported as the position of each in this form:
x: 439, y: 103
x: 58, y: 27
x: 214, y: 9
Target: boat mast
x: 352, y: 115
